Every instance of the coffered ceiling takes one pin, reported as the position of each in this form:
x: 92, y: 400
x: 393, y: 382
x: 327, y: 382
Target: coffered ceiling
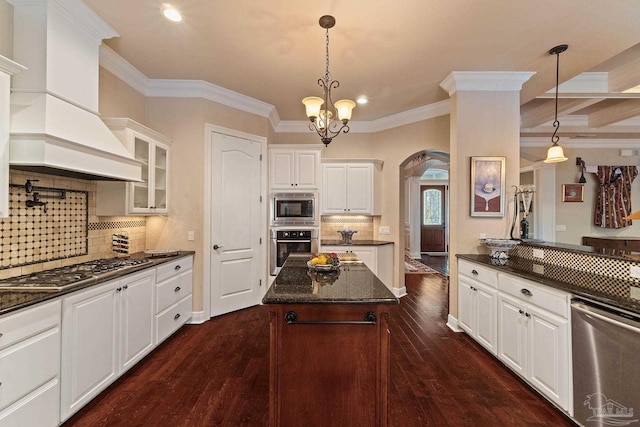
x: 398, y: 53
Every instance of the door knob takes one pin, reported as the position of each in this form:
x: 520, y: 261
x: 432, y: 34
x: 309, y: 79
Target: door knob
x: 216, y: 247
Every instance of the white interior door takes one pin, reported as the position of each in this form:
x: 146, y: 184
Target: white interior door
x: 235, y: 251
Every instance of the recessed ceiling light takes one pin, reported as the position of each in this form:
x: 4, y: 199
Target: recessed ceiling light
x: 171, y: 13
x: 362, y: 100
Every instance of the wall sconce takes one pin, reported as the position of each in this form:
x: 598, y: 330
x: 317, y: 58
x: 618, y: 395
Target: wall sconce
x: 580, y: 162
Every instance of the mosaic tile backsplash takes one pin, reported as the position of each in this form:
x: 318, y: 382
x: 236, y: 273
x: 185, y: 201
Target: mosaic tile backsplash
x: 57, y: 229
x: 34, y: 241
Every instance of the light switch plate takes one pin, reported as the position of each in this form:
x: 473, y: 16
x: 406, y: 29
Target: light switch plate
x: 384, y: 229
x: 561, y: 227
x: 635, y: 292
x: 191, y: 235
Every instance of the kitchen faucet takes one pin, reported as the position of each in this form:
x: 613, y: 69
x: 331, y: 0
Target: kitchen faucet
x: 37, y: 202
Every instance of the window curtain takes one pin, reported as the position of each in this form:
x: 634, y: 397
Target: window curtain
x: 614, y: 195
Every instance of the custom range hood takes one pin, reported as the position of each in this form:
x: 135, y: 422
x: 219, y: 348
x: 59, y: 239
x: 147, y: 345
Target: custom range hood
x: 55, y: 127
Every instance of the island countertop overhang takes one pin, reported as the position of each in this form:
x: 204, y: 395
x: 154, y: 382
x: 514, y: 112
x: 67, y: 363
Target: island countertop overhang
x: 351, y: 284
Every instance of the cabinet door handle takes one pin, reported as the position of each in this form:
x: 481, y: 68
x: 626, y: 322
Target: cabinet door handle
x: 474, y: 272
x: 176, y: 317
x: 1, y: 334
x: 118, y: 289
x: 177, y: 267
x: 521, y: 312
x: 291, y: 317
x: 527, y: 315
x: 125, y: 287
x: 177, y: 289
x: 526, y: 292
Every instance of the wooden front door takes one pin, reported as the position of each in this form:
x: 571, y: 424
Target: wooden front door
x: 433, y: 218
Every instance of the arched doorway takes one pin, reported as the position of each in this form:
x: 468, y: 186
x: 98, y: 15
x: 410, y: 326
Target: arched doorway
x: 426, y: 214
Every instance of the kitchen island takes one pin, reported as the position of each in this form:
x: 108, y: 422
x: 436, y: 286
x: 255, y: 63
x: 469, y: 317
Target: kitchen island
x: 329, y: 346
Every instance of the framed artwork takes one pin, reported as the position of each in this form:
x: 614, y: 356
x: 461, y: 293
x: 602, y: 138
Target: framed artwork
x: 487, y: 186
x: 572, y: 193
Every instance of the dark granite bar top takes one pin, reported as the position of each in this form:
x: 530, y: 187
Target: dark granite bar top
x: 608, y: 290
x: 351, y: 284
x: 339, y: 242
x: 11, y: 300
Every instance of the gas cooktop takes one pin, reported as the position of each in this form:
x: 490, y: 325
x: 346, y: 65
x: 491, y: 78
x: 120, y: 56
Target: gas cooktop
x: 60, y: 278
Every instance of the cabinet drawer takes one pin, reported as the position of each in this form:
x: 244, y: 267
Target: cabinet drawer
x: 28, y: 364
x: 550, y: 299
x: 172, y: 318
x: 173, y: 290
x: 41, y: 408
x: 480, y: 273
x: 21, y: 324
x: 174, y: 268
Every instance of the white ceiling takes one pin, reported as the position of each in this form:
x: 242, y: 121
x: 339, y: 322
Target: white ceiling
x: 395, y: 53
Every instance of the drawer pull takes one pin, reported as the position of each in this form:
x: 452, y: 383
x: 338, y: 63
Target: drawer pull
x: 291, y: 317
x: 474, y: 272
x: 527, y: 315
x: 176, y: 317
x: 521, y: 312
x: 177, y: 267
x: 0, y: 334
x: 526, y: 292
x: 177, y: 289
x: 118, y: 289
x: 125, y: 287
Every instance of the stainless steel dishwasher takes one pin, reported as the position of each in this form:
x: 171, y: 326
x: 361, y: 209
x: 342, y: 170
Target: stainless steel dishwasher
x: 606, y: 364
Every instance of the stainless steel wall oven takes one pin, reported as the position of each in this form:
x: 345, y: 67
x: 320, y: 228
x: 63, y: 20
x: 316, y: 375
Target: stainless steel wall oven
x: 287, y: 241
x: 293, y: 209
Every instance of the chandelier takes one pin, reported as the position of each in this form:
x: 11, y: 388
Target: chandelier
x: 330, y: 121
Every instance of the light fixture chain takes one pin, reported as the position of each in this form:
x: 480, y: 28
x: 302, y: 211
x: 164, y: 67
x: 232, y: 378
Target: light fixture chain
x: 326, y: 74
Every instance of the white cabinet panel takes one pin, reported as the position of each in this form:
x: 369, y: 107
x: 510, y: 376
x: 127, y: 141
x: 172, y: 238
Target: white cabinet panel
x: 149, y: 197
x: 378, y: 258
x: 512, y: 334
x: 350, y: 188
x: 294, y: 168
x: 477, y: 311
x: 106, y: 330
x: 173, y: 297
x: 30, y: 366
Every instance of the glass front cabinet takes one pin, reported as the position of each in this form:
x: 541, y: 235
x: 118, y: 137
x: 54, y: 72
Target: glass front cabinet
x: 150, y: 196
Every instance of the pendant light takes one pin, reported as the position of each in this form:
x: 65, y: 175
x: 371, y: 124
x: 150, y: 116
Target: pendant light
x: 555, y: 153
x: 327, y: 123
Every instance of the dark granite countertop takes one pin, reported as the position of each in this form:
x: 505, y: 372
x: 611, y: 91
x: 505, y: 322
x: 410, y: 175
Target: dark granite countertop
x: 11, y: 300
x: 351, y: 284
x: 339, y: 242
x: 608, y: 290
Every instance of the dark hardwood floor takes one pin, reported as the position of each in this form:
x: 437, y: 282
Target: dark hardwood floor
x: 217, y: 374
x: 439, y: 263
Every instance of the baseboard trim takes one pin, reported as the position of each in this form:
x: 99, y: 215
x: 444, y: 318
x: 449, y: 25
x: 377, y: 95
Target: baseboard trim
x: 452, y: 323
x: 399, y: 292
x: 197, y: 318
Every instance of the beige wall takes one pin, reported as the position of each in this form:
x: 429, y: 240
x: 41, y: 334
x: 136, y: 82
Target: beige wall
x: 579, y: 217
x: 117, y: 99
x: 6, y: 29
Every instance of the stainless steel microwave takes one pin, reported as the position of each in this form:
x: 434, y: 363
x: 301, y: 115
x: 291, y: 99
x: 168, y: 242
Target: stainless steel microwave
x: 293, y: 209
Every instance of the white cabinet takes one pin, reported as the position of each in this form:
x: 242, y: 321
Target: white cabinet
x: 106, y: 330
x: 294, y: 168
x: 477, y: 296
x: 533, y: 335
x: 30, y: 366
x: 173, y: 297
x: 351, y: 188
x: 7, y: 69
x: 149, y: 197
x: 378, y: 258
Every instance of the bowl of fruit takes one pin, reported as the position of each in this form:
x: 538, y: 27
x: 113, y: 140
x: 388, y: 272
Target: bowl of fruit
x: 324, y: 261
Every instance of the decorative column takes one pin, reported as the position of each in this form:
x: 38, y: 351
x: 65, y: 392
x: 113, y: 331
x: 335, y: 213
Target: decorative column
x: 484, y: 121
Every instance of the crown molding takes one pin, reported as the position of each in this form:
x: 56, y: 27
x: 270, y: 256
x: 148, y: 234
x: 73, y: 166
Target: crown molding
x: 122, y: 69
x: 10, y: 67
x: 485, y: 81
